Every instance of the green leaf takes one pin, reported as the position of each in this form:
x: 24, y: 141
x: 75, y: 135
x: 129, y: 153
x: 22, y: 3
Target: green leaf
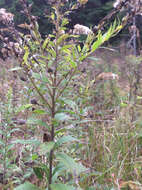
x: 40, y: 61
x: 92, y: 188
x: 35, y: 121
x: 27, y: 186
x: 65, y: 139
x: 68, y: 52
x: 36, y: 75
x: 62, y: 117
x: 70, y: 103
x: 34, y: 157
x: 79, y: 48
x: 62, y: 38
x: 73, y: 64
x: 23, y: 107
x: 15, y: 130
x: 26, y: 55
x: 58, y: 171
x: 1, y: 132
x: 65, y: 21
x: 96, y: 44
x: 32, y: 141
x: 60, y: 186
x: 2, y: 143
x: 45, y: 78
x: 52, y: 16
x: 38, y: 172
x: 46, y: 147
x: 65, y: 47
x: 70, y: 164
x: 60, y: 131
x: 10, y: 147
x: 45, y: 43
x: 139, y: 97
x: 107, y: 35
x: 123, y: 105
x: 52, y: 52
x: 39, y: 111
x: 94, y: 58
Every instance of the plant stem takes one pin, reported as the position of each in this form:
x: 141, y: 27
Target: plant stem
x: 53, y: 98
x: 52, y: 139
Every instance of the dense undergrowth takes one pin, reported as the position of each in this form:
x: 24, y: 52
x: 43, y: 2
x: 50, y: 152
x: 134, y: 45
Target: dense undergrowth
x: 107, y: 126
x: 70, y: 123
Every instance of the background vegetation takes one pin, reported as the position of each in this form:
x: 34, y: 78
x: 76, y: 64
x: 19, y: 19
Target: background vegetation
x: 88, y: 15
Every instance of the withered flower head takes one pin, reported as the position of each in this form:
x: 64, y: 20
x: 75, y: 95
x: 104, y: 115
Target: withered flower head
x: 116, y: 3
x: 5, y: 17
x: 80, y: 29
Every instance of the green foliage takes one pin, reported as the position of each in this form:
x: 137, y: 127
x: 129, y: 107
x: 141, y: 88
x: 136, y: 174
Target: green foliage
x: 27, y: 186
x: 70, y: 164
x: 52, y: 65
x: 62, y: 186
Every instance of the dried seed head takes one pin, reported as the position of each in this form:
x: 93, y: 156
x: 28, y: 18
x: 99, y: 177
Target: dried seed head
x: 5, y: 17
x: 80, y: 29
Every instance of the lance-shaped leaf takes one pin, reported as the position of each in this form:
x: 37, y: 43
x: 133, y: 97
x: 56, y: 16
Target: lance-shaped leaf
x: 65, y: 139
x: 70, y: 164
x: 62, y: 117
x: 26, y: 55
x: 46, y: 147
x: 23, y: 107
x: 31, y: 141
x: 27, y: 186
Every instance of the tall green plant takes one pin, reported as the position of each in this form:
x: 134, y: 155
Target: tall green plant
x: 51, y: 65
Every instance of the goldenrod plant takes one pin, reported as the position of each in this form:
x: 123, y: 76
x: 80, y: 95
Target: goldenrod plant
x: 51, y: 66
